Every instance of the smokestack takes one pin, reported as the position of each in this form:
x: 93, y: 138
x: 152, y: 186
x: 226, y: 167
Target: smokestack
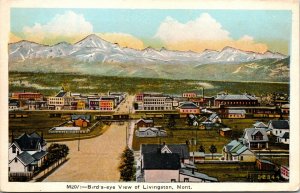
x: 203, y: 93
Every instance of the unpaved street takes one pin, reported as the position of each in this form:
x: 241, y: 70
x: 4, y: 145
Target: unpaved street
x: 97, y: 160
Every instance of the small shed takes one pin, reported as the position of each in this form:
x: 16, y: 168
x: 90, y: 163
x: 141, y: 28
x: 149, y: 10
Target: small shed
x: 226, y: 132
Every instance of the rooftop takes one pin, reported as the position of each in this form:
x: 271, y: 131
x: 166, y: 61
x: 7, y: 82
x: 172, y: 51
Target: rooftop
x: 161, y: 161
x: 180, y: 149
x: 235, y: 97
x: 280, y: 124
x: 197, y: 175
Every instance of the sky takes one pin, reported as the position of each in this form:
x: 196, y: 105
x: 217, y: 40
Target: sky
x: 195, y: 30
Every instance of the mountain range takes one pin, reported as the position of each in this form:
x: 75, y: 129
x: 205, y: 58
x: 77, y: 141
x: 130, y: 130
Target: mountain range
x: 93, y: 55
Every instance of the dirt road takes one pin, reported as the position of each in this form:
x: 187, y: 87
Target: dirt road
x: 97, y: 160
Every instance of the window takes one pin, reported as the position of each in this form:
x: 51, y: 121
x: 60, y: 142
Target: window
x: 242, y: 158
x: 14, y: 149
x: 16, y: 160
x: 173, y: 180
x: 18, y: 152
x: 186, y: 180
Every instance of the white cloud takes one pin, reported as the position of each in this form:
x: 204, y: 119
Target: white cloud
x: 68, y: 24
x: 204, y: 32
x: 203, y: 28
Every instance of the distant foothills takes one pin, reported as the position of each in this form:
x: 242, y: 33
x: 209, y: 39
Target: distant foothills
x: 95, y: 56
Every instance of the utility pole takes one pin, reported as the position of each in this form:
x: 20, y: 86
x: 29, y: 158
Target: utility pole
x: 78, y: 140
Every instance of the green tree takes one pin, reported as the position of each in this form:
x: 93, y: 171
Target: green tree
x: 212, y: 149
x: 202, y: 148
x: 171, y: 121
x: 126, y: 167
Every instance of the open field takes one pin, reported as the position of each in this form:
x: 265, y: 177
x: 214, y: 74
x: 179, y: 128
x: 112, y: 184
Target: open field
x: 41, y: 122
x: 49, y: 84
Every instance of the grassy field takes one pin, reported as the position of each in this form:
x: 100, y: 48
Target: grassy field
x: 41, y: 122
x: 228, y: 172
x: 182, y: 133
x: 50, y: 83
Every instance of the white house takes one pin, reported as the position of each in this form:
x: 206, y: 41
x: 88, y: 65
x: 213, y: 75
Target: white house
x: 256, y: 138
x: 26, y: 153
x: 279, y: 127
x: 284, y: 138
x: 150, y: 132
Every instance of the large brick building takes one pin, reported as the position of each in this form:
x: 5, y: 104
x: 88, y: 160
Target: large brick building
x: 236, y: 100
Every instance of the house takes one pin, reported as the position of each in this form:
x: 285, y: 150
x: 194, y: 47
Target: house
x: 181, y: 149
x: 278, y: 127
x: 231, y: 100
x: 236, y: 151
x: 150, y: 132
x: 189, y: 108
x: 285, y: 172
x: 226, y: 132
x: 284, y: 138
x: 81, y: 120
x: 236, y: 114
x: 256, y: 138
x: 214, y: 118
x: 26, y: 153
x: 162, y: 167
x: 262, y: 125
x: 13, y: 104
x: 265, y: 165
x: 144, y: 123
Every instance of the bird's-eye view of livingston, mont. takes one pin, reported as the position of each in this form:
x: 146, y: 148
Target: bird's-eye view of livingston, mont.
x: 149, y: 95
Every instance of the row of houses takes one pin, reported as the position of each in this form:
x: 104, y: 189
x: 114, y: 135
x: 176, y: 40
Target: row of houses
x: 65, y: 100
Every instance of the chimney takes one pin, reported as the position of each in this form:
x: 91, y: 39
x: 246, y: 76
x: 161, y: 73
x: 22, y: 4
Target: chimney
x: 193, y: 171
x: 203, y: 93
x: 12, y: 136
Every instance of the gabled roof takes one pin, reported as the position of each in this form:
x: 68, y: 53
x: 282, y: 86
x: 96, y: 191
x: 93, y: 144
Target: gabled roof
x: 145, y: 120
x: 285, y: 135
x: 260, y: 125
x: 161, y: 161
x: 29, y: 142
x: 213, y: 116
x: 84, y: 117
x: 188, y: 105
x: 61, y: 94
x: 143, y: 129
x: 249, y: 132
x: 180, y: 149
x: 197, y: 175
x: 235, y: 147
x: 234, y: 111
x: 39, y: 155
x: 235, y: 97
x: 25, y: 158
x: 280, y: 124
